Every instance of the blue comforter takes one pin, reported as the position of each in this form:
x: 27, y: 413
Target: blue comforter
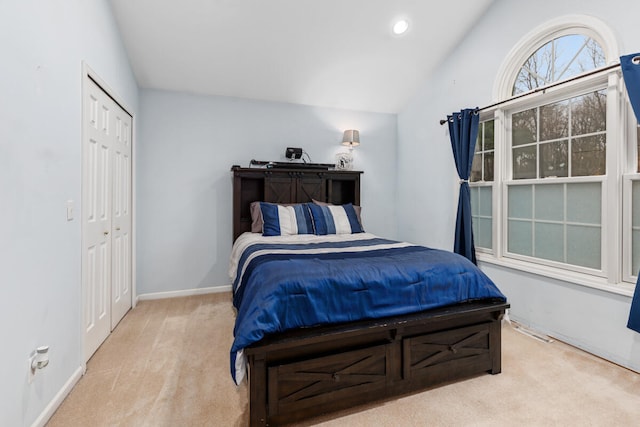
x: 280, y: 286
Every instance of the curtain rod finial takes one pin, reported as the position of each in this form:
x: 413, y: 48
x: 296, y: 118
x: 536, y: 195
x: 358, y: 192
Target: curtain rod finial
x: 442, y: 122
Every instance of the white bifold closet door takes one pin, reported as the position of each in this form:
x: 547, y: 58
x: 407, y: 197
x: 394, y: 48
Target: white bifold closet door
x: 106, y: 215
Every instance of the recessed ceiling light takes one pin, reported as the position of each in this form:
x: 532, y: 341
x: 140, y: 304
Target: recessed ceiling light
x: 400, y: 27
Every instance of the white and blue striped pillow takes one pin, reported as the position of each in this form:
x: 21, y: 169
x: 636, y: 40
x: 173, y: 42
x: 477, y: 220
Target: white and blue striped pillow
x: 335, y: 219
x: 282, y: 220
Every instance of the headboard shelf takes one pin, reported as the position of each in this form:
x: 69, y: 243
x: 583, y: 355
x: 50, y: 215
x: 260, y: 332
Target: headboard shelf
x: 289, y: 186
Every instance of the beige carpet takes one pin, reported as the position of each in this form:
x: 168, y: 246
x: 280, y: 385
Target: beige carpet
x: 167, y: 364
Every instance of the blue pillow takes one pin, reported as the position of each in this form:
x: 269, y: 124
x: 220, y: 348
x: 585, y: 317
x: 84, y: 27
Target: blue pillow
x: 282, y: 220
x: 335, y: 219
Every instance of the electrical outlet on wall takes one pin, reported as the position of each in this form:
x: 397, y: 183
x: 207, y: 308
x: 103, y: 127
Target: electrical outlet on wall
x: 39, y: 359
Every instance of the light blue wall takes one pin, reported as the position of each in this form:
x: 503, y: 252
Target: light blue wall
x: 186, y: 148
x: 589, y: 318
x: 42, y: 45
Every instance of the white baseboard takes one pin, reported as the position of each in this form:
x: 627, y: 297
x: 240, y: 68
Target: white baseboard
x: 184, y: 293
x: 58, y: 398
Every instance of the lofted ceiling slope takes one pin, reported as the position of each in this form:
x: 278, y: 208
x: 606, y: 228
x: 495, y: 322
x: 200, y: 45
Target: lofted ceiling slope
x: 330, y: 53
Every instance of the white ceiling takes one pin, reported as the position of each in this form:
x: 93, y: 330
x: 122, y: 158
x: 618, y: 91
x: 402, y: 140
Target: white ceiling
x: 332, y: 53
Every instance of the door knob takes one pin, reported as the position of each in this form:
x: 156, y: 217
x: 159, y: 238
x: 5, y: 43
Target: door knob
x: 105, y: 233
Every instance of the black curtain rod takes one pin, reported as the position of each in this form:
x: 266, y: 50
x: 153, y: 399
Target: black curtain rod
x: 543, y: 88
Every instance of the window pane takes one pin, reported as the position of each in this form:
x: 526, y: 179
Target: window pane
x: 554, y: 159
x: 488, y: 166
x: 520, y: 237
x: 520, y: 201
x: 583, y: 246
x: 554, y: 121
x: 584, y: 203
x: 484, y: 233
x: 550, y: 202
x: 635, y: 216
x: 474, y: 200
x: 524, y: 127
x: 589, y: 56
x: 536, y: 71
x: 588, y: 156
x: 589, y: 113
x: 485, y: 201
x: 567, y: 222
x: 635, y: 223
x: 588, y: 153
x: 524, y: 162
x: 565, y: 48
x: 482, y: 166
x: 635, y: 253
x: 488, y: 135
x: 549, y: 240
x: 527, y: 81
x: 476, y: 168
x: 481, y: 211
x: 559, y: 59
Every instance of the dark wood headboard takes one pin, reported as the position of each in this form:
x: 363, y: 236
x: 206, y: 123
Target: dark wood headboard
x: 289, y: 186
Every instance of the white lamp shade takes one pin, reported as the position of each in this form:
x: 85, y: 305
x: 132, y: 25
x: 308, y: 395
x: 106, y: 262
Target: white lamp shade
x: 351, y: 138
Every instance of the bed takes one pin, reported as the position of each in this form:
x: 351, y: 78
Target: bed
x: 308, y: 351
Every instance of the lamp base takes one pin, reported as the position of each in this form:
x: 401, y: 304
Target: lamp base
x: 344, y: 161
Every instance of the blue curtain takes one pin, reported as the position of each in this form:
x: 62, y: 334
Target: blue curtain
x: 463, y: 131
x: 634, y: 315
x: 630, y: 65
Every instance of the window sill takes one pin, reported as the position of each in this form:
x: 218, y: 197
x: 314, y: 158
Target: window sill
x: 600, y: 283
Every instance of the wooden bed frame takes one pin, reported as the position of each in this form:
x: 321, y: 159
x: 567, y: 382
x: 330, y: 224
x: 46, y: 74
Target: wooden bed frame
x: 306, y: 372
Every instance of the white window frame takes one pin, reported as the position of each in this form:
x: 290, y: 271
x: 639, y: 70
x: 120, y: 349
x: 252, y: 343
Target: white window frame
x: 615, y: 273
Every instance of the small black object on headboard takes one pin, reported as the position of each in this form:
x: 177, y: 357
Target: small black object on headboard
x: 289, y: 186
x: 293, y: 153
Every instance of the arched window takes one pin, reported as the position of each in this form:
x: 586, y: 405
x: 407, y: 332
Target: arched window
x: 559, y: 59
x: 545, y: 183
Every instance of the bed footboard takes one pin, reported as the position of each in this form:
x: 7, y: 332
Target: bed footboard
x: 308, y: 372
